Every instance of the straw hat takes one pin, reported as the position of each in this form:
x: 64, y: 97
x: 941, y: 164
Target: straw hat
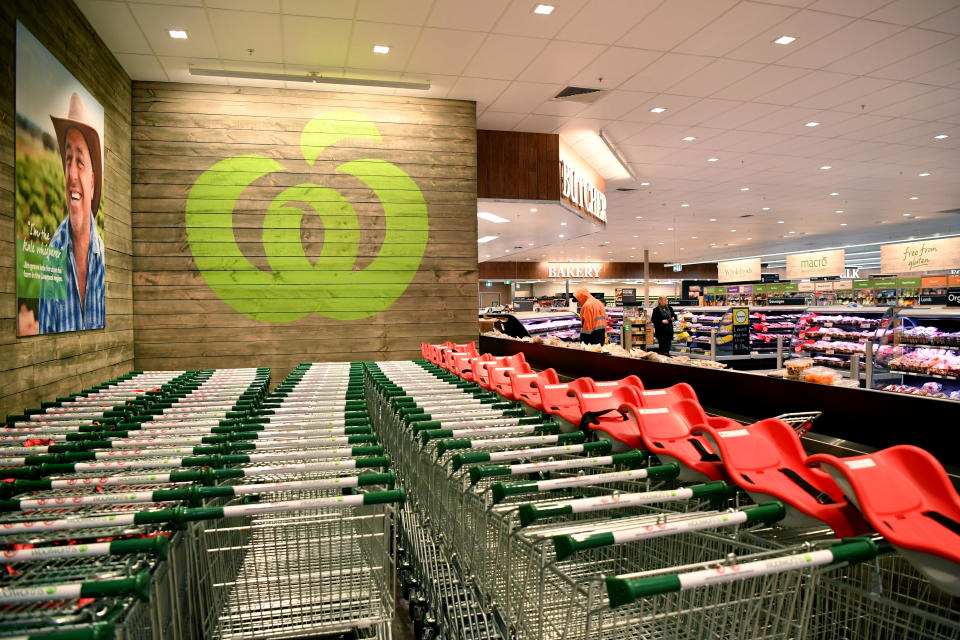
x: 77, y: 118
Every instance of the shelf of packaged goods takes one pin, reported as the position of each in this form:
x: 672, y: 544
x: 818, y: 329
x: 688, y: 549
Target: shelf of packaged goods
x: 861, y: 325
x: 940, y: 376
x: 830, y: 338
x: 789, y: 330
x: 833, y: 353
x: 917, y: 345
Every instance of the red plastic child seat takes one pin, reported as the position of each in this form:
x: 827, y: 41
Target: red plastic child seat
x: 906, y: 495
x: 666, y: 432
x: 500, y: 380
x: 768, y: 462
x: 670, y: 396
x: 601, y: 412
x: 481, y: 374
x: 526, y: 389
x: 610, y: 385
x: 556, y: 398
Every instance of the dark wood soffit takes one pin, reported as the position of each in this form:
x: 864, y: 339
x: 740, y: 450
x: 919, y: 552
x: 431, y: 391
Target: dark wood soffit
x: 518, y: 166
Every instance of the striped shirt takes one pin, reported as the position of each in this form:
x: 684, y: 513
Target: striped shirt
x: 72, y: 314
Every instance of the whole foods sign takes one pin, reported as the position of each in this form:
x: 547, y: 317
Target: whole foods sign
x: 920, y: 255
x: 738, y: 270
x: 817, y: 264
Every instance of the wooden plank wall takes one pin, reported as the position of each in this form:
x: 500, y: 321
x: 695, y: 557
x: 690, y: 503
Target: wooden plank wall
x: 181, y: 130
x: 41, y: 367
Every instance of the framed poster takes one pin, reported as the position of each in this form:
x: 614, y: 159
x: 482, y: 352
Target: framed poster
x: 59, y: 183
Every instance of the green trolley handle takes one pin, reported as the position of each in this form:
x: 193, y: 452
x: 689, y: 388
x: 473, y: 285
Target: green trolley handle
x: 138, y: 585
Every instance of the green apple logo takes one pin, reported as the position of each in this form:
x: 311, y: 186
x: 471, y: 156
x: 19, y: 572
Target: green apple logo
x: 296, y: 286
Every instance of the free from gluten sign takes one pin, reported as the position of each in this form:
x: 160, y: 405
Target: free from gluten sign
x: 920, y: 255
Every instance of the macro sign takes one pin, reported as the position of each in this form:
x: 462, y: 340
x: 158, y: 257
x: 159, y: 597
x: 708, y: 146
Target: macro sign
x: 298, y: 284
x: 817, y: 264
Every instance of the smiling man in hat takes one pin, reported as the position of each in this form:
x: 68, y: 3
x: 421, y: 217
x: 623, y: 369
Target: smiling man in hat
x: 83, y: 306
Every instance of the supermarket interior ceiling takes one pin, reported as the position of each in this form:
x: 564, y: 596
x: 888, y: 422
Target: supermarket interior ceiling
x: 750, y: 127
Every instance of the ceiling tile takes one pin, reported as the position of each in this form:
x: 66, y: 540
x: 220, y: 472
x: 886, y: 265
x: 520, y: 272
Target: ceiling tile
x: 840, y: 44
x: 666, y: 101
x: 850, y: 127
x: 343, y: 9
x: 237, y: 32
x: 444, y: 50
x: 673, y: 22
x: 504, y: 57
x: 856, y: 8
x: 805, y: 26
x: 498, y: 121
x: 520, y: 20
x: 142, y: 67
x: 700, y: 111
x: 851, y: 90
x: 115, y: 24
x: 910, y: 12
x: 407, y: 12
x: 523, y: 97
x: 614, y: 66
x: 315, y: 42
x: 535, y: 123
x: 615, y: 104
x: 466, y: 14
x: 560, y: 108
x: 949, y: 22
x: 714, y: 77
x: 931, y: 59
x: 738, y: 25
x: 893, y: 49
x: 178, y: 69
x: 666, y: 71
x: 482, y: 90
x: 912, y: 107
x: 400, y: 39
x: 605, y: 21
x: 763, y: 81
x: 560, y: 61
x: 262, y: 6
x: 735, y: 118
x: 155, y: 22
x: 809, y: 85
x: 786, y: 117
x: 887, y: 96
x: 182, y: 3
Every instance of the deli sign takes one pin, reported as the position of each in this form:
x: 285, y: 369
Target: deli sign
x: 920, y: 255
x: 581, y: 187
x: 817, y: 264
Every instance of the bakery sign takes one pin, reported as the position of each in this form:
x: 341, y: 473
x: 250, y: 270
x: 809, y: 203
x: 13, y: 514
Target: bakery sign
x: 738, y: 270
x: 920, y: 255
x: 582, y: 189
x: 582, y: 270
x: 816, y: 264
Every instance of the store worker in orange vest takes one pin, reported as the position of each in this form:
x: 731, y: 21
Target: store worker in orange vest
x: 593, y: 315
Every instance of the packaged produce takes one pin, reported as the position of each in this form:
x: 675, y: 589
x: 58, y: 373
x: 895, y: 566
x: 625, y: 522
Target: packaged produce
x: 821, y: 375
x: 796, y: 367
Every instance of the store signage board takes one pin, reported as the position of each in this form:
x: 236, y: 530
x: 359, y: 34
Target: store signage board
x: 747, y: 288
x: 805, y: 286
x: 628, y: 297
x: 920, y: 255
x: 884, y: 283
x: 574, y: 270
x: 823, y: 286
x: 741, y: 331
x: 953, y: 297
x: 863, y: 284
x: 796, y: 302
x: 787, y: 287
x: 738, y: 270
x: 953, y: 280
x: 843, y: 285
x: 582, y: 189
x: 933, y: 299
x: 731, y: 290
x: 817, y: 264
x: 908, y: 282
x: 933, y: 281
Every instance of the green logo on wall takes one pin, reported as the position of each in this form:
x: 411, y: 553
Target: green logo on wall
x: 298, y: 286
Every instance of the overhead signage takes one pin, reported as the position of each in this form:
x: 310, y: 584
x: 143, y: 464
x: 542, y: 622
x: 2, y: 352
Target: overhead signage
x: 581, y: 187
x: 738, y: 270
x: 823, y: 286
x: 953, y: 297
x: 934, y: 281
x: 628, y: 297
x: 817, y: 264
x: 805, y: 286
x: 884, y: 283
x: 920, y: 255
x: 953, y: 280
x: 731, y: 290
x: 863, y: 284
x: 574, y: 270
x: 843, y: 285
x: 931, y: 299
x: 908, y: 283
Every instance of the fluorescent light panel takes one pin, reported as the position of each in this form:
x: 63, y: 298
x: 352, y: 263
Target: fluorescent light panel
x: 178, y: 34
x: 486, y: 239
x: 617, y: 155
x: 544, y: 9
x: 491, y: 217
x: 311, y: 77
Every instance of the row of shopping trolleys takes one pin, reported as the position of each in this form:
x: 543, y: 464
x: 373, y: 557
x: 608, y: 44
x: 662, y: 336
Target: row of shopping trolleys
x: 185, y: 504
x: 563, y: 534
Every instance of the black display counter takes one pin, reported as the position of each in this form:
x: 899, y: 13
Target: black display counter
x: 877, y: 419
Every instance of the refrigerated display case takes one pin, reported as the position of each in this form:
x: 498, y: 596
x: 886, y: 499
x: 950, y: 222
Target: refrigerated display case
x: 564, y: 324
x: 921, y: 353
x: 766, y: 323
x: 831, y: 335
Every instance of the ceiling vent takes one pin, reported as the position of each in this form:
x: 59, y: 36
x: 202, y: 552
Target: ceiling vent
x: 747, y: 215
x: 949, y: 211
x: 625, y: 189
x: 579, y: 94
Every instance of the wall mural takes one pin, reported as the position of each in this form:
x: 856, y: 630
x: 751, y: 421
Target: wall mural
x: 268, y: 296
x: 59, y: 179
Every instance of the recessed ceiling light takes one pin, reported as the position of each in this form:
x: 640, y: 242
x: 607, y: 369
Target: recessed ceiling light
x: 544, y: 9
x: 839, y: 211
x: 660, y: 243
x: 633, y: 248
x: 582, y: 247
x: 749, y: 238
x: 491, y: 217
x: 486, y: 239
x: 713, y: 219
x: 684, y: 204
x: 563, y: 224
x: 784, y: 40
x: 924, y: 174
x: 639, y: 217
x: 657, y: 110
x: 693, y: 237
x: 507, y: 251
x: 843, y: 224
x: 381, y: 48
x: 488, y: 255
x: 178, y: 34
x: 529, y: 244
x: 812, y: 124
x: 669, y: 228
x: 534, y: 210
x: 733, y: 230
x: 561, y: 235
x: 766, y: 208
x: 744, y: 188
x: 834, y: 193
x: 914, y: 197
x: 636, y: 236
x: 941, y: 136
x: 779, y: 221
x: 713, y: 244
x: 825, y: 167
x: 631, y: 256
x: 609, y: 251
x: 644, y: 184
x: 791, y: 231
x: 712, y: 159
x: 906, y: 215
x: 681, y: 248
x: 689, y: 139
x: 654, y: 253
